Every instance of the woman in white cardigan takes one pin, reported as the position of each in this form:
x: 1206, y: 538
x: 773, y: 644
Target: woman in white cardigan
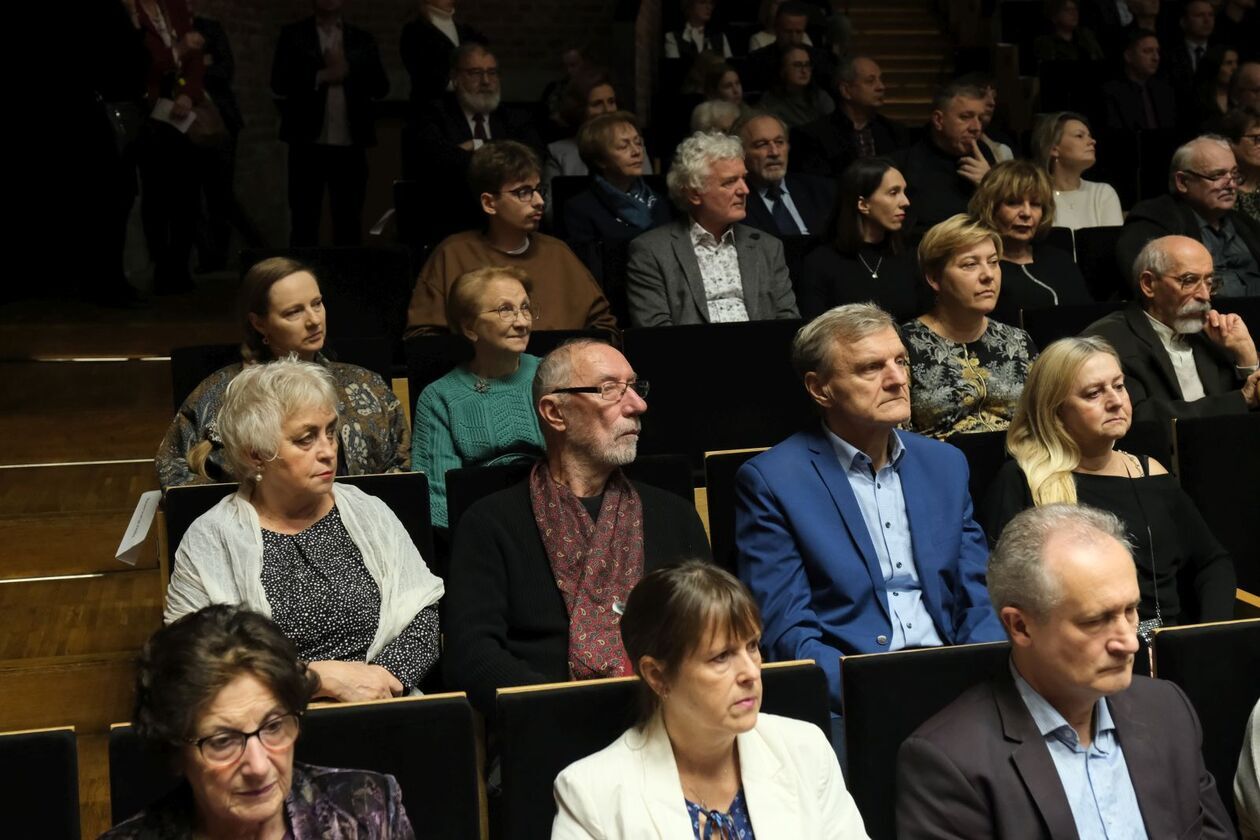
x: 703, y: 763
x: 331, y: 565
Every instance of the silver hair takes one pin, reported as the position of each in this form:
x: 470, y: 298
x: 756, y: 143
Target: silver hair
x: 711, y: 114
x: 813, y: 346
x: 694, y: 159
x: 1153, y: 257
x: 1183, y: 159
x: 1017, y: 575
x: 259, y: 401
x: 556, y: 368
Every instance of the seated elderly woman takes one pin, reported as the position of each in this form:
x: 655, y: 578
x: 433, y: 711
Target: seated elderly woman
x: 330, y: 564
x: 966, y: 369
x: 867, y: 260
x: 796, y: 98
x: 618, y: 204
x: 702, y: 759
x: 282, y: 311
x: 221, y: 693
x: 481, y: 412
x: 1016, y: 200
x: 588, y: 95
x: 1064, y: 147
x: 1073, y: 411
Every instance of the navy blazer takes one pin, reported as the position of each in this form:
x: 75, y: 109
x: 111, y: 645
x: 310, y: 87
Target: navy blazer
x: 815, y: 200
x: 804, y: 550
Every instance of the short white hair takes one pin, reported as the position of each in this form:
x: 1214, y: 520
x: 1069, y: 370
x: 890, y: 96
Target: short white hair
x: 259, y: 401
x: 711, y: 114
x: 1183, y: 159
x: 694, y: 159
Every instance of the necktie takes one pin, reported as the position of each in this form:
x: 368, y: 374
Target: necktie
x: 782, y: 218
x: 479, y: 127
x: 1198, y: 56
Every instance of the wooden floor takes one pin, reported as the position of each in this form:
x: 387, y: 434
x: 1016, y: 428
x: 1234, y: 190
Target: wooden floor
x: 85, y: 403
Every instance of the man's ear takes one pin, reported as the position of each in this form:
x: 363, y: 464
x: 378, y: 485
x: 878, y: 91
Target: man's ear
x: 938, y: 119
x: 487, y: 204
x: 1146, y: 284
x: 817, y: 389
x: 1015, y: 622
x: 694, y: 198
x: 551, y: 413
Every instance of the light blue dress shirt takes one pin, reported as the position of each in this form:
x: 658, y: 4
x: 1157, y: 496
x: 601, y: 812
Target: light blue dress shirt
x: 1094, y: 778
x: 883, y: 507
x: 786, y: 198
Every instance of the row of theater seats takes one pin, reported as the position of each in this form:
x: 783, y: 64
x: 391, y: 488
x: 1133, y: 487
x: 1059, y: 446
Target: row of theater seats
x: 433, y: 744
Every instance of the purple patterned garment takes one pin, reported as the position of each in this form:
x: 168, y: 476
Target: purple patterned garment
x: 323, y: 804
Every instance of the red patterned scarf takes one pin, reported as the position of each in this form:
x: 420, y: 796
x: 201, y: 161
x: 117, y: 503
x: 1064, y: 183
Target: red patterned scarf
x: 595, y: 564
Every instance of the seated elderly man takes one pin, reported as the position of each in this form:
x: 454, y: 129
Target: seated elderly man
x: 943, y: 169
x: 506, y: 177
x: 1067, y: 742
x: 855, y: 129
x: 853, y: 536
x: 706, y: 267
x: 782, y: 203
x: 540, y: 572
x: 1180, y: 357
x: 1202, y: 191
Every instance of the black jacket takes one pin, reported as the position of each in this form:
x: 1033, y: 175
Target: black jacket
x: 1165, y: 215
x: 426, y: 53
x: 1051, y: 279
x: 431, y: 144
x: 219, y: 73
x: 826, y: 146
x: 933, y: 185
x: 298, y: 60
x: 1122, y: 99
x: 815, y: 200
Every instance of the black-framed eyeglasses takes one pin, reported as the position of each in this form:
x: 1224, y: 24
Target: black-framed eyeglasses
x: 801, y: 65
x: 610, y: 391
x: 480, y: 72
x: 526, y: 194
x: 508, y: 312
x: 228, y: 746
x: 1217, y: 177
x: 1188, y: 281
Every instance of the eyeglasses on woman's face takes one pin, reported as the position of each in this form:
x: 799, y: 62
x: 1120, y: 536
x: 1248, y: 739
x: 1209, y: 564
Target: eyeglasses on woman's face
x: 227, y: 746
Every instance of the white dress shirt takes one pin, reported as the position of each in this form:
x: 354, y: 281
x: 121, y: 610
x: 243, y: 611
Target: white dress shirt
x: 336, y: 131
x: 1182, y: 357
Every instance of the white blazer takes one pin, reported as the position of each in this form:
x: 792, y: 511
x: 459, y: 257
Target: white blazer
x: 630, y: 790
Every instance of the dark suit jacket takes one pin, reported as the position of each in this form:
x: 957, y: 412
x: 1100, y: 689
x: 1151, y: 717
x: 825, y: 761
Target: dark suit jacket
x: 981, y: 769
x: 815, y: 200
x: 826, y: 146
x: 664, y: 285
x: 1123, y: 101
x: 1167, y: 216
x: 588, y: 217
x: 1149, y: 375
x: 299, y: 58
x: 426, y: 53
x: 935, y: 188
x: 218, y: 78
x: 431, y: 145
x: 804, y: 550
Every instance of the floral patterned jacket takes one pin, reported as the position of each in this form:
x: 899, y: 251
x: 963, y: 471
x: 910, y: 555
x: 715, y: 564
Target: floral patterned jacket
x: 375, y: 437
x: 323, y: 803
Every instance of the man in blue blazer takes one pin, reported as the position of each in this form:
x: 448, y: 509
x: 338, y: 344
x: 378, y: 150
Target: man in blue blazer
x: 853, y: 536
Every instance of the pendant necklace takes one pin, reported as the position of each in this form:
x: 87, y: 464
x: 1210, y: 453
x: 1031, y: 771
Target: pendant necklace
x: 874, y: 271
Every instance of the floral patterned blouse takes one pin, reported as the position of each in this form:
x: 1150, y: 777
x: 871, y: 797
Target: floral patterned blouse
x: 735, y: 824
x: 959, y: 388
x: 373, y: 430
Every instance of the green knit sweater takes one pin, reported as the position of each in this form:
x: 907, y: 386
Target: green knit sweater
x: 457, y: 425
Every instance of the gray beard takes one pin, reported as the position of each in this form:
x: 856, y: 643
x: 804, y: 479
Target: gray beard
x: 478, y: 103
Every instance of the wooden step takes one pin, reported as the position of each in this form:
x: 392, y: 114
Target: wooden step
x: 110, y: 486
x: 77, y: 616
x: 86, y: 692
x: 48, y: 544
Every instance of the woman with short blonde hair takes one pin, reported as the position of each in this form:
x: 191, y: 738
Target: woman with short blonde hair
x: 1064, y: 147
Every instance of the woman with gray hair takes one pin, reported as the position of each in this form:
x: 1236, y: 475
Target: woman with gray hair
x: 1063, y: 145
x: 331, y: 565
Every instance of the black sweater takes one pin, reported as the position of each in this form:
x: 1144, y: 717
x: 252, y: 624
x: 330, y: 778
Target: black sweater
x: 831, y: 279
x: 1191, y: 571
x: 1051, y: 279
x: 503, y: 615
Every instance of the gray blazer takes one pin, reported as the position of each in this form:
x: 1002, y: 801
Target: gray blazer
x: 664, y: 286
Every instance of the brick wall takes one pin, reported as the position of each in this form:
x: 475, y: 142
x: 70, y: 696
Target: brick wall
x: 527, y: 34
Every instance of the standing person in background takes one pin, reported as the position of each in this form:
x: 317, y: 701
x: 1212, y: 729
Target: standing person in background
x: 426, y: 44
x: 326, y: 74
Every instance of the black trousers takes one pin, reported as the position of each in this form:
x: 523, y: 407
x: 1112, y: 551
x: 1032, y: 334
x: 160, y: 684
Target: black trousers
x: 343, y: 170
x: 169, y: 186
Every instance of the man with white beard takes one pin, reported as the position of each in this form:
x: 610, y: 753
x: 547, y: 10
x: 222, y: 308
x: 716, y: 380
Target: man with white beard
x: 540, y: 572
x: 1181, y: 357
x: 449, y: 129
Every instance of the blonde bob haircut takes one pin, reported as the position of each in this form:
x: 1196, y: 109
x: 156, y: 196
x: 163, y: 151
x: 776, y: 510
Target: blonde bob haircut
x: 595, y: 137
x: 947, y: 238
x: 259, y: 401
x: 1013, y: 180
x: 1037, y: 438
x: 463, y: 299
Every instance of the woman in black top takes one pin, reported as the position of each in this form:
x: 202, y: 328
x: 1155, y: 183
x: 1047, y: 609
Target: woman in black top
x: 1073, y: 410
x: 1016, y: 199
x: 867, y: 260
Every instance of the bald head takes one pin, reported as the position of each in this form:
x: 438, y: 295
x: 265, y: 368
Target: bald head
x: 1173, y: 279
x: 861, y: 85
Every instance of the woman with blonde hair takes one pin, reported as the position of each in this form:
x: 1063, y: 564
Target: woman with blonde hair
x: 1073, y: 411
x: 966, y: 369
x: 1063, y: 145
x: 1016, y: 199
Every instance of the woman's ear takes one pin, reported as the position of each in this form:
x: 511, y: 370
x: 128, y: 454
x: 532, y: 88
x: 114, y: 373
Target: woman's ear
x: 864, y: 206
x: 258, y: 324
x: 653, y: 673
x: 933, y: 283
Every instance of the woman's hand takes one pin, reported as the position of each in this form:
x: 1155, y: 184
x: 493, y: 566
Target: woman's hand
x: 351, y: 682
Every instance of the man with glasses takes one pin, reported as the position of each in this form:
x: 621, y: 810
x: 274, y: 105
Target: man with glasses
x: 1203, y: 182
x: 540, y: 572
x: 506, y: 179
x: 1181, y: 358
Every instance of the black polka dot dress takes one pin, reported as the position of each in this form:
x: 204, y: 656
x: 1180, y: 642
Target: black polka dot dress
x: 324, y: 599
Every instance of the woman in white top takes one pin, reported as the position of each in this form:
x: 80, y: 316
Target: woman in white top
x: 1063, y: 145
x: 702, y: 762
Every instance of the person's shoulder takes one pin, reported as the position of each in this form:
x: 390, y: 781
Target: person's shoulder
x: 788, y: 453
x: 1111, y: 326
x: 605, y: 766
x: 796, y: 735
x: 348, y: 374
x: 1009, y: 332
x: 493, y: 506
x: 1156, y: 209
x: 665, y: 501
x: 1052, y: 257
x: 464, y: 239
x: 954, y: 727
x: 757, y: 238
x: 657, y: 237
x: 365, y: 789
